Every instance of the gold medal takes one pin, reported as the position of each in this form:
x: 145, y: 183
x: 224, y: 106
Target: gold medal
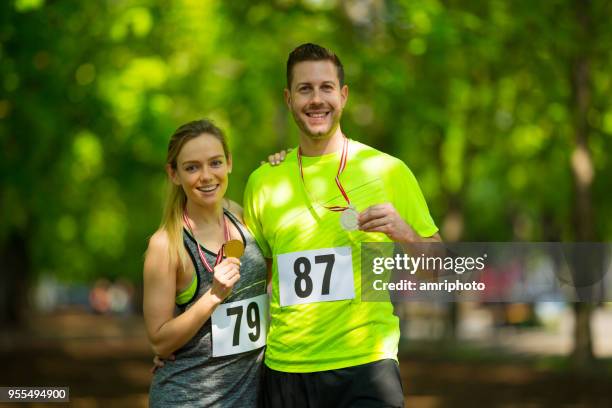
x: 233, y: 248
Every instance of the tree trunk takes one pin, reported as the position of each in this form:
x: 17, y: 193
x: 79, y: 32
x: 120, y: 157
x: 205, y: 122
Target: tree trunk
x: 15, y: 264
x: 583, y: 173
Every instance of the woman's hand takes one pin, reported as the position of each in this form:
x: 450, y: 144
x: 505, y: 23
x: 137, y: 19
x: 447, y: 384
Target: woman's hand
x: 225, y: 276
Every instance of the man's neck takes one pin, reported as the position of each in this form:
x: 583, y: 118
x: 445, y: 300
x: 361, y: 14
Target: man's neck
x: 319, y: 147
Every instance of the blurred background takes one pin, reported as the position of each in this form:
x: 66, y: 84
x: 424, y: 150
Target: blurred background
x: 501, y: 109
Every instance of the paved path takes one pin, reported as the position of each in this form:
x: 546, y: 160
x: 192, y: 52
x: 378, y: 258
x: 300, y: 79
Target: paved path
x: 105, y: 361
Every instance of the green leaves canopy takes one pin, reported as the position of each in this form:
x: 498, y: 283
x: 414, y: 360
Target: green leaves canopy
x: 475, y: 96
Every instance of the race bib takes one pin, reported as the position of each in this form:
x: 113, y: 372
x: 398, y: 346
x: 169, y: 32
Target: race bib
x: 239, y: 326
x: 320, y: 275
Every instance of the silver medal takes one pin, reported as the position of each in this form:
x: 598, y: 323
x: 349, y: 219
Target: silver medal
x: 348, y: 219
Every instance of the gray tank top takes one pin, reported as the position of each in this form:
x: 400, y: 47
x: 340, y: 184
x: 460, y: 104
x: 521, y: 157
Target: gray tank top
x: 196, y: 379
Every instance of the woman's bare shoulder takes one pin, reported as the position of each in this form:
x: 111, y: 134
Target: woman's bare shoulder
x: 157, y: 256
x: 159, y: 241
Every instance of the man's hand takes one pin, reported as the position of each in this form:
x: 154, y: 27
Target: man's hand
x: 385, y: 218
x: 277, y: 158
x: 159, y: 363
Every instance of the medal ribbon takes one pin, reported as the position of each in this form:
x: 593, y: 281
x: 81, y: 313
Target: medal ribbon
x: 202, y: 257
x: 341, y: 167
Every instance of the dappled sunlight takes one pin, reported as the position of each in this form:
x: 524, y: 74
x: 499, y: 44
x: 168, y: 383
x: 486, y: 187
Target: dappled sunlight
x: 135, y: 20
x: 280, y: 195
x: 88, y: 156
x: 374, y: 165
x: 125, y: 90
x: 28, y: 5
x: 287, y: 216
x: 527, y: 140
x: 144, y: 73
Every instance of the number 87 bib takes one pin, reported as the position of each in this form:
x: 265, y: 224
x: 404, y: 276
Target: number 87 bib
x: 319, y: 275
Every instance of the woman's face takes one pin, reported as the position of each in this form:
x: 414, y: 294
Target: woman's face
x: 202, y: 169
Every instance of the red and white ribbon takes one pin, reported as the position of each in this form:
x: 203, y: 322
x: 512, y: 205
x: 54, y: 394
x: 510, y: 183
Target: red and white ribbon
x: 341, y: 167
x: 200, y: 252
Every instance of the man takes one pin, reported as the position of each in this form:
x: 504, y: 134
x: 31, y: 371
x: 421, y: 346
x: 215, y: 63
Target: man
x: 325, y: 347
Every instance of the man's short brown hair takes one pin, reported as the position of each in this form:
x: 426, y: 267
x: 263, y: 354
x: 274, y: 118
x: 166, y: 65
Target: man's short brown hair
x: 313, y: 52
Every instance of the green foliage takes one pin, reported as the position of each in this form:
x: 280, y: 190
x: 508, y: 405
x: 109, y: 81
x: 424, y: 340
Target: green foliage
x: 475, y: 96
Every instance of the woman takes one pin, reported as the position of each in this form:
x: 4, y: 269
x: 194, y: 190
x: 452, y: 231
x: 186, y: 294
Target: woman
x: 218, y: 352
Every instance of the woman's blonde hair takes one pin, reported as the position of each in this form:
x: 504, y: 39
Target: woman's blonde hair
x: 172, y: 219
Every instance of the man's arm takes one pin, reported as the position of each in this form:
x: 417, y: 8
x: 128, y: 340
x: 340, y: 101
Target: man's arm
x: 405, y: 219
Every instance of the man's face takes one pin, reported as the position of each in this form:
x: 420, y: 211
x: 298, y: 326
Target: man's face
x: 316, y: 99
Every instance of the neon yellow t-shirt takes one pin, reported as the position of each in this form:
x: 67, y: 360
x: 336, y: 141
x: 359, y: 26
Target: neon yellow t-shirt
x: 310, y: 329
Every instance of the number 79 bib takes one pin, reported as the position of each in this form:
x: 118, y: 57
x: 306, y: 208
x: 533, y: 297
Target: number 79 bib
x: 239, y: 326
x: 319, y: 275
